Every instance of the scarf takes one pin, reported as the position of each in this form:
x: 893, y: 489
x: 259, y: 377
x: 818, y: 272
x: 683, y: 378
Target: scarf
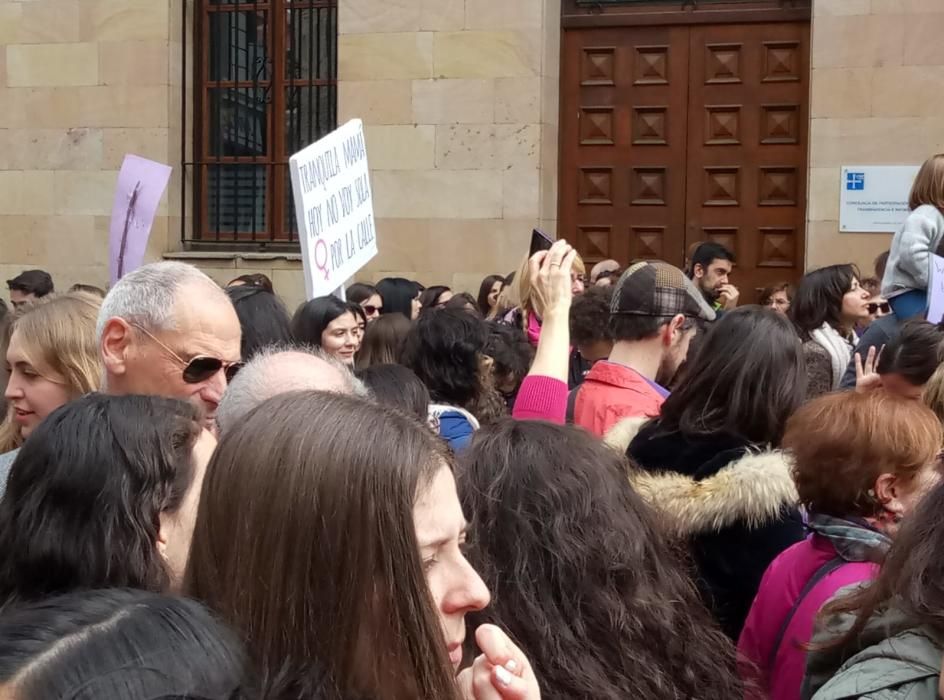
x: 838, y: 348
x: 854, y: 540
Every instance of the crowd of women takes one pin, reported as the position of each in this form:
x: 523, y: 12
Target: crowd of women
x: 764, y: 534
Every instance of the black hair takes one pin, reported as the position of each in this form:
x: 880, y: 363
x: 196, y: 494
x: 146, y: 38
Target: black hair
x: 463, y: 301
x: 312, y: 317
x: 119, y: 644
x: 263, y: 319
x: 398, y: 295
x: 429, y: 298
x: 707, y: 253
x: 359, y: 292
x: 590, y: 316
x: 397, y: 386
x: 254, y: 280
x: 484, y: 290
x: 511, y: 353
x: 85, y: 494
x: 818, y: 298
x: 582, y: 574
x: 445, y: 349
x: 746, y: 379
x: 915, y: 354
x: 881, y: 262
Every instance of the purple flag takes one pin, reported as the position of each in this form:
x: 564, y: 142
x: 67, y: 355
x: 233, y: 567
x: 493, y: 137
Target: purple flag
x: 141, y: 184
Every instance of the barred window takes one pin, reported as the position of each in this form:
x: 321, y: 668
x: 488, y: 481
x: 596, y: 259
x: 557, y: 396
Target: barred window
x: 266, y: 87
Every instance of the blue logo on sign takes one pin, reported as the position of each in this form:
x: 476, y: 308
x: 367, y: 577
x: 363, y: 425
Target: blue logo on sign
x: 855, y: 181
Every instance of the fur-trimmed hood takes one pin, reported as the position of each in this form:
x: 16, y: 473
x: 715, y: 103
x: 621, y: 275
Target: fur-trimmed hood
x: 752, y: 490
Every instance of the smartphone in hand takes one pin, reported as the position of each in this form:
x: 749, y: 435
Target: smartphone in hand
x: 539, y: 241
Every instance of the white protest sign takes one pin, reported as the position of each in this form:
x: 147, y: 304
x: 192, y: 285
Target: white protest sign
x: 333, y: 207
x: 874, y: 198
x: 936, y: 290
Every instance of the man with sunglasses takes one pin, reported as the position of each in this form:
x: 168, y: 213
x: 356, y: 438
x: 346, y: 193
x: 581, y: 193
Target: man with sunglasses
x: 167, y: 329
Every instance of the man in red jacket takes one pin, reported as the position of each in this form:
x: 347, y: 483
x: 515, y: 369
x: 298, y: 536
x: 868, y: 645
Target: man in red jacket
x: 652, y: 321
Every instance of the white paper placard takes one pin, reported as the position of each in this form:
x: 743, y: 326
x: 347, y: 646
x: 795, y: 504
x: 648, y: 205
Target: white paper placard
x: 874, y: 198
x: 333, y: 208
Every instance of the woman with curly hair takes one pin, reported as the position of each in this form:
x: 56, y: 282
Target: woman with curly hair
x: 447, y: 350
x: 581, y: 575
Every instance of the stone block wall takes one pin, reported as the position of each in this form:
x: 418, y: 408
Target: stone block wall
x: 82, y: 82
x: 459, y: 99
x: 877, y: 99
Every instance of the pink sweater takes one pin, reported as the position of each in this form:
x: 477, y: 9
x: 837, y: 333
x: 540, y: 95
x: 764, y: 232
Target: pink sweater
x: 541, y: 398
x: 779, y: 590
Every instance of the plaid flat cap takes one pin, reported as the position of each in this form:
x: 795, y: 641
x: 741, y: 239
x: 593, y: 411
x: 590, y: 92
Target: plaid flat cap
x: 658, y: 289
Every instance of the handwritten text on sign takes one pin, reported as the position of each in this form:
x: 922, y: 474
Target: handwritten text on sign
x: 333, y: 207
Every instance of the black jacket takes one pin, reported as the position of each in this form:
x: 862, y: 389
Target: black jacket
x: 734, y: 503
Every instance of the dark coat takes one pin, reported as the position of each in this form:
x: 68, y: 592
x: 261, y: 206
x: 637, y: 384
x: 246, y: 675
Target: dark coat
x: 734, y: 503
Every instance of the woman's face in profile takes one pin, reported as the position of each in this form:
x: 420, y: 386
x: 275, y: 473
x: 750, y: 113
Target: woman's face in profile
x: 176, y: 530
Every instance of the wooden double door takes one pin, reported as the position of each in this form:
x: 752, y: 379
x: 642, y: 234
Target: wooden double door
x: 672, y: 135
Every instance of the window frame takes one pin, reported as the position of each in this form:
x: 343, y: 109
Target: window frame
x: 279, y: 230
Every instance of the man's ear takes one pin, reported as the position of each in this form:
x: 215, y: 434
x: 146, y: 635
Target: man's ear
x: 698, y: 271
x: 672, y: 330
x: 115, y: 346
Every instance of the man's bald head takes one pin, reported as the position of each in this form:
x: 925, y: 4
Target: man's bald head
x: 279, y: 371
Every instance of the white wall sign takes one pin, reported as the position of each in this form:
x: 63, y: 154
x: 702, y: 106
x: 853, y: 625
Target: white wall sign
x: 874, y: 198
x: 333, y: 207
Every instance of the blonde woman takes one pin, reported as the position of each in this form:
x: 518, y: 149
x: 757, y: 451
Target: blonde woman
x: 528, y: 315
x: 52, y: 358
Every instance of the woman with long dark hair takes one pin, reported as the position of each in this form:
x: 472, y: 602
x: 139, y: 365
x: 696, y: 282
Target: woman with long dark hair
x: 435, y: 297
x: 489, y: 291
x: 710, y: 461
x: 263, y: 319
x: 826, y: 307
x: 886, y: 640
x: 105, y: 496
x: 335, y: 326
x: 330, y: 536
x: 582, y: 575
x: 368, y: 297
x: 118, y: 644
x: 400, y: 296
x: 383, y: 341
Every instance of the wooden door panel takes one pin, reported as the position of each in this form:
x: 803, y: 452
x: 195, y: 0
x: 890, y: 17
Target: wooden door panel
x: 747, y: 147
x: 623, y: 142
x: 677, y: 134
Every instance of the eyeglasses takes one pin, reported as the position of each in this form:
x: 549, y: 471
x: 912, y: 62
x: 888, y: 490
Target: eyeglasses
x: 875, y: 307
x: 370, y: 310
x: 200, y: 368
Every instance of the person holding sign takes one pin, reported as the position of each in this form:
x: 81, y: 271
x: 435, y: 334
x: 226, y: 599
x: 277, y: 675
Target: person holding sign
x: 333, y: 325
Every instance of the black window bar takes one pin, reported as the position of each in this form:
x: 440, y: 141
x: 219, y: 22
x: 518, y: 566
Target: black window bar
x: 265, y: 87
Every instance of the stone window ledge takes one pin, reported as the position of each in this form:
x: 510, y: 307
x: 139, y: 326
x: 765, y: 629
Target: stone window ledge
x: 224, y: 256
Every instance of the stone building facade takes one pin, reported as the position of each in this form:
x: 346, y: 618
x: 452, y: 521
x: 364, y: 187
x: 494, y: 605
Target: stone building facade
x: 461, y: 103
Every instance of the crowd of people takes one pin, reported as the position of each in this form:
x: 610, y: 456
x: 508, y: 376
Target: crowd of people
x: 614, y: 483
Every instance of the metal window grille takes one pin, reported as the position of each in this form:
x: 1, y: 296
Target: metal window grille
x: 265, y: 87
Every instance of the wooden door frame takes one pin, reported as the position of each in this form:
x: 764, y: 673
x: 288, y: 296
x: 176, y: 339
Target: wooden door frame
x: 579, y: 15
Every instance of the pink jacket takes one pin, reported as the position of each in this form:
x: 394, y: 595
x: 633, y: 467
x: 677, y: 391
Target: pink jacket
x: 779, y: 590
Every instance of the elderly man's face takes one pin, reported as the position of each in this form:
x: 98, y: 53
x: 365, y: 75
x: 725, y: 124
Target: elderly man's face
x: 207, y: 326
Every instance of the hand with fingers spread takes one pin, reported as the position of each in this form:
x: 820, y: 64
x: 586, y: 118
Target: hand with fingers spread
x: 551, y: 284
x: 867, y: 376
x: 501, y: 672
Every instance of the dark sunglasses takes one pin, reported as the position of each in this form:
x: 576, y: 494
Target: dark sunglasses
x: 370, y: 310
x: 200, y: 368
x: 875, y: 307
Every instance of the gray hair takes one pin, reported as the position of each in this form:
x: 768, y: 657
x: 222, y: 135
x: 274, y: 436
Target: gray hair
x: 148, y: 295
x: 265, y: 376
